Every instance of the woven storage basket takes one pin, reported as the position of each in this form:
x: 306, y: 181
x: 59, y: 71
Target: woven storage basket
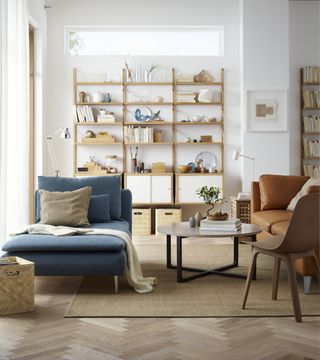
x: 17, y: 287
x: 141, y: 221
x: 167, y: 216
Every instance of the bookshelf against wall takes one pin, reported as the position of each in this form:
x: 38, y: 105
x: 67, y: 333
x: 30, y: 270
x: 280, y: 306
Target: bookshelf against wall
x: 169, y: 139
x: 310, y: 120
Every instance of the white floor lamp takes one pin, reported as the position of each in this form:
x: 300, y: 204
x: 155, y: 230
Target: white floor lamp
x: 64, y: 134
x: 236, y: 155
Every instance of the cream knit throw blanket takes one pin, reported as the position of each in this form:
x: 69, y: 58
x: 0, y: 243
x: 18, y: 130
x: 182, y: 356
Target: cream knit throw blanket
x: 134, y: 273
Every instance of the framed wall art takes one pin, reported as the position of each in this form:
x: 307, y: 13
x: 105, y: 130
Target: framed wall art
x: 266, y: 110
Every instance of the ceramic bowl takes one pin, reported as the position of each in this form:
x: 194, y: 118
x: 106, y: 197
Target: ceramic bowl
x: 184, y: 168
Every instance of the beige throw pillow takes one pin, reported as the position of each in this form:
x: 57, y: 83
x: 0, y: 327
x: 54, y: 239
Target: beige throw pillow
x: 303, y: 192
x: 69, y: 208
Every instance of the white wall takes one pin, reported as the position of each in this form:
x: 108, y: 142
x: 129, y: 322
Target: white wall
x: 141, y: 12
x: 265, y: 64
x: 304, y: 28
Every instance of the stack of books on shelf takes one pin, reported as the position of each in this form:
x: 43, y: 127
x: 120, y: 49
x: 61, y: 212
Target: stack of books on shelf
x: 311, y: 148
x: 221, y: 226
x: 138, y: 134
x: 311, y: 99
x: 311, y: 123
x: 6, y: 261
x: 311, y: 74
x: 185, y: 78
x: 311, y: 170
x: 187, y: 96
x: 83, y: 114
x: 110, y: 118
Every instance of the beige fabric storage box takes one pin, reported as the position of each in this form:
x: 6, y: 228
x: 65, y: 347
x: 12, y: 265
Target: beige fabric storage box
x: 167, y: 216
x: 16, y: 287
x: 141, y: 221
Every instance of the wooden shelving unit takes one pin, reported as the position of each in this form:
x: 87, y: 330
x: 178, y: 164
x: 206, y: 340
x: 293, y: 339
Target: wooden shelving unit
x: 308, y: 161
x: 174, y: 145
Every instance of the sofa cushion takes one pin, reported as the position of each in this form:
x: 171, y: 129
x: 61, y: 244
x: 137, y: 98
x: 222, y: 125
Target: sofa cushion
x: 265, y: 219
x: 276, y: 191
x: 28, y: 242
x: 99, y: 209
x: 66, y: 208
x: 312, y: 184
x: 280, y: 228
x: 100, y: 185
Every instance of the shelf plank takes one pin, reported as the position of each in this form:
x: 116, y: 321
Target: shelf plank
x: 199, y: 174
x: 98, y: 83
x: 312, y: 158
x: 139, y: 123
x: 148, y: 103
x: 98, y: 123
x: 200, y: 143
x: 148, y: 174
x: 198, y: 103
x: 89, y: 144
x: 151, y: 83
x: 311, y: 108
x: 311, y: 133
x: 311, y: 83
x: 101, y: 103
x: 211, y: 83
x: 88, y: 173
x: 150, y: 143
x: 195, y: 123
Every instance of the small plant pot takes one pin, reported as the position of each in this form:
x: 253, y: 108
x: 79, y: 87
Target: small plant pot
x: 218, y: 216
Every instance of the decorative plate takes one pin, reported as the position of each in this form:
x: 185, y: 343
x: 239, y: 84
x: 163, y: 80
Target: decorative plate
x: 143, y: 114
x: 209, y: 159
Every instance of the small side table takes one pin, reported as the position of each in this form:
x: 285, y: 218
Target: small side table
x: 241, y: 209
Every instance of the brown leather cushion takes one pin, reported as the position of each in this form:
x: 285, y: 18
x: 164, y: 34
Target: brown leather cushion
x: 276, y: 191
x: 265, y: 219
x: 280, y: 228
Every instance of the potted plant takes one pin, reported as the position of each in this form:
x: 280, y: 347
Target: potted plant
x: 211, y: 195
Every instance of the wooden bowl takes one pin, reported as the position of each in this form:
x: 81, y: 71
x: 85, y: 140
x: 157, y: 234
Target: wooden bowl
x: 184, y: 168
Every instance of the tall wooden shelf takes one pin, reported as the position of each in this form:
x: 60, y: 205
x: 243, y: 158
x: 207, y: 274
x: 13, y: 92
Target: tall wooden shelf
x: 312, y: 161
x: 170, y: 123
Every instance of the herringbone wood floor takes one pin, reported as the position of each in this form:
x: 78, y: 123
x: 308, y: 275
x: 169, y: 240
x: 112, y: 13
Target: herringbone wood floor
x: 45, y: 334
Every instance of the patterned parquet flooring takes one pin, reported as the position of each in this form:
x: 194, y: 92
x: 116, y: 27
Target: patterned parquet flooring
x: 46, y: 334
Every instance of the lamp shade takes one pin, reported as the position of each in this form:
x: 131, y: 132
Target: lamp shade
x: 65, y: 133
x: 235, y: 155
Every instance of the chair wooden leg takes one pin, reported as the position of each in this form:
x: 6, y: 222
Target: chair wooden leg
x: 277, y: 262
x: 293, y: 287
x: 317, y: 265
x: 249, y: 277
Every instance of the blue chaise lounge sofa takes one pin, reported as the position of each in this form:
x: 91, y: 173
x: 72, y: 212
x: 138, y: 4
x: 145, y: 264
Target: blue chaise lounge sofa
x: 79, y: 255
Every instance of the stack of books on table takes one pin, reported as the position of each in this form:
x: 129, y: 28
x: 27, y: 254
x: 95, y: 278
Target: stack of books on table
x: 220, y: 225
x: 7, y: 261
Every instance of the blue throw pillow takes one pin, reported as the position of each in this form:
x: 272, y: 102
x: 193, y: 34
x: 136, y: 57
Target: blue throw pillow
x: 100, y: 185
x: 99, y: 209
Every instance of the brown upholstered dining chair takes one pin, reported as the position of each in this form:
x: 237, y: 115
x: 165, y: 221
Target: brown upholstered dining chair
x: 299, y: 242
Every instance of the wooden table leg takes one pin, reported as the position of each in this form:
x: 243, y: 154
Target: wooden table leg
x: 254, y: 276
x: 236, y: 251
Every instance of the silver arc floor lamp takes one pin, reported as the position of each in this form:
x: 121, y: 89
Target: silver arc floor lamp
x: 64, y: 134
x: 236, y: 155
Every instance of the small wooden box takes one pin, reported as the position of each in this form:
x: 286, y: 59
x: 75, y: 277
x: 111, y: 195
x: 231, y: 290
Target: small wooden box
x: 17, y: 287
x: 241, y: 209
x: 167, y: 216
x: 141, y: 221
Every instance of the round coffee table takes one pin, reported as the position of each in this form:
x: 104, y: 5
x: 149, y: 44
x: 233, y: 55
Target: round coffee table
x: 182, y: 230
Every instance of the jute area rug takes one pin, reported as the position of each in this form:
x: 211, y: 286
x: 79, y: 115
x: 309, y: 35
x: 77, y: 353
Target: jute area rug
x: 212, y: 296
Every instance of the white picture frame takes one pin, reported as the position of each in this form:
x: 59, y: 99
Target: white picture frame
x: 266, y: 110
